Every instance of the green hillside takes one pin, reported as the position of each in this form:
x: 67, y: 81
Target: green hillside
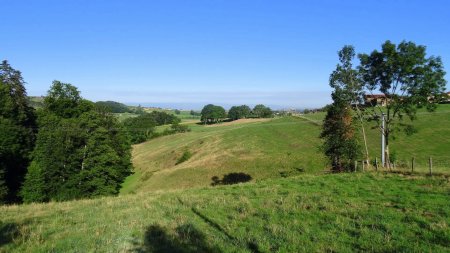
x: 290, y: 204
x: 260, y: 148
x: 335, y: 212
x: 431, y: 139
x: 273, y: 148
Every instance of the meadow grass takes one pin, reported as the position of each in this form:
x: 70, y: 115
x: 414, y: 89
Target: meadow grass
x: 276, y: 148
x: 263, y: 149
x: 430, y: 140
x: 376, y: 212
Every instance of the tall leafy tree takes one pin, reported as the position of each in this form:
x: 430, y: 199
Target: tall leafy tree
x: 81, y: 150
x: 351, y: 88
x: 17, y: 132
x: 340, y: 145
x: 407, y: 78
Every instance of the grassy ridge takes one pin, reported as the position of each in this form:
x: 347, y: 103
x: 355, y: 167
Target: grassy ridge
x: 309, y: 213
x: 276, y: 148
x: 431, y: 139
x: 262, y: 149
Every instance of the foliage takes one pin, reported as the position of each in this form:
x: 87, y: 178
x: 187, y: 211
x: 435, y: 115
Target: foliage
x: 17, y: 132
x: 179, y: 128
x: 186, y: 156
x: 340, y: 145
x: 177, y: 112
x: 194, y: 113
x: 80, y: 150
x: 212, y: 114
x: 141, y: 128
x: 163, y: 118
x: 239, y: 112
x: 114, y: 107
x: 408, y: 79
x: 261, y: 111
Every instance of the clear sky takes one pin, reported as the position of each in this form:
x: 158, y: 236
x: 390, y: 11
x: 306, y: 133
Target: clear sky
x: 190, y: 52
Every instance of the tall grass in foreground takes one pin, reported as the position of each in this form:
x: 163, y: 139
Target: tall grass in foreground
x: 335, y: 212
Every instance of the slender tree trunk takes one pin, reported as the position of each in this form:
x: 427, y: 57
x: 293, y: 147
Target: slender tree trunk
x: 386, y: 150
x: 364, y: 135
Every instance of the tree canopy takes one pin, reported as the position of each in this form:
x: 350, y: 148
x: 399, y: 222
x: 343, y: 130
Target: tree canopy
x: 262, y: 111
x: 239, y: 112
x: 17, y: 135
x: 81, y: 151
x: 212, y: 113
x: 406, y: 77
x: 114, y: 107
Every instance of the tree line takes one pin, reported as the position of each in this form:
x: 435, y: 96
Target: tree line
x: 214, y: 113
x: 70, y: 147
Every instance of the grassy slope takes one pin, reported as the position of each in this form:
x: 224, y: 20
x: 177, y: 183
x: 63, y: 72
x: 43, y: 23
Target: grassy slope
x: 271, y: 149
x: 431, y: 139
x: 262, y: 149
x: 308, y: 213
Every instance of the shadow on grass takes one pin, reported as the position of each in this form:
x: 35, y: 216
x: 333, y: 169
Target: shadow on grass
x: 8, y: 232
x: 186, y: 239
x: 231, y: 178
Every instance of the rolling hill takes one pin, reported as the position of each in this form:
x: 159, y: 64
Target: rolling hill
x: 273, y: 148
x: 290, y: 203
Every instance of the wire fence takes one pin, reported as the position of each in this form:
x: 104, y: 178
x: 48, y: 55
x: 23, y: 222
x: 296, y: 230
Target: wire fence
x: 430, y: 165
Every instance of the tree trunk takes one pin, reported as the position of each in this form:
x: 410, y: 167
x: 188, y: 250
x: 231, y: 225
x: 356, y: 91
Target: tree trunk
x: 364, y: 135
x: 386, y: 150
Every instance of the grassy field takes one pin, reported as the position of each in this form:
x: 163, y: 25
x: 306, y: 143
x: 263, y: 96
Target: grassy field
x: 375, y: 212
x: 279, y: 147
x: 289, y: 203
x: 262, y: 149
x: 430, y: 140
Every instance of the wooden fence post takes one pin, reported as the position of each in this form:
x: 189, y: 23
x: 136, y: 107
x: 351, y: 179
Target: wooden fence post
x: 412, y: 164
x: 356, y: 165
x: 376, y: 163
x: 431, y: 165
x: 362, y: 162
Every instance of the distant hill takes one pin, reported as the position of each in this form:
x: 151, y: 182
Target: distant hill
x: 114, y: 107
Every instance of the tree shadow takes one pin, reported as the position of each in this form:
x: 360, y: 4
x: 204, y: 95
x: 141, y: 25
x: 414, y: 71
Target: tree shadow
x: 186, y: 239
x: 8, y: 232
x: 231, y: 178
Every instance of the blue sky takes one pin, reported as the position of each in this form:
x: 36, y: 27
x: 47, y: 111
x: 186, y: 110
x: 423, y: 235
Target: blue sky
x: 191, y: 52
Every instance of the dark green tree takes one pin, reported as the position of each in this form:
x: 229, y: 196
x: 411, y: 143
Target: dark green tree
x: 141, y: 128
x: 17, y: 132
x: 261, y: 111
x: 407, y: 78
x: 348, y: 81
x: 212, y: 114
x: 80, y: 151
x: 239, y: 112
x: 340, y: 145
x: 112, y: 106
